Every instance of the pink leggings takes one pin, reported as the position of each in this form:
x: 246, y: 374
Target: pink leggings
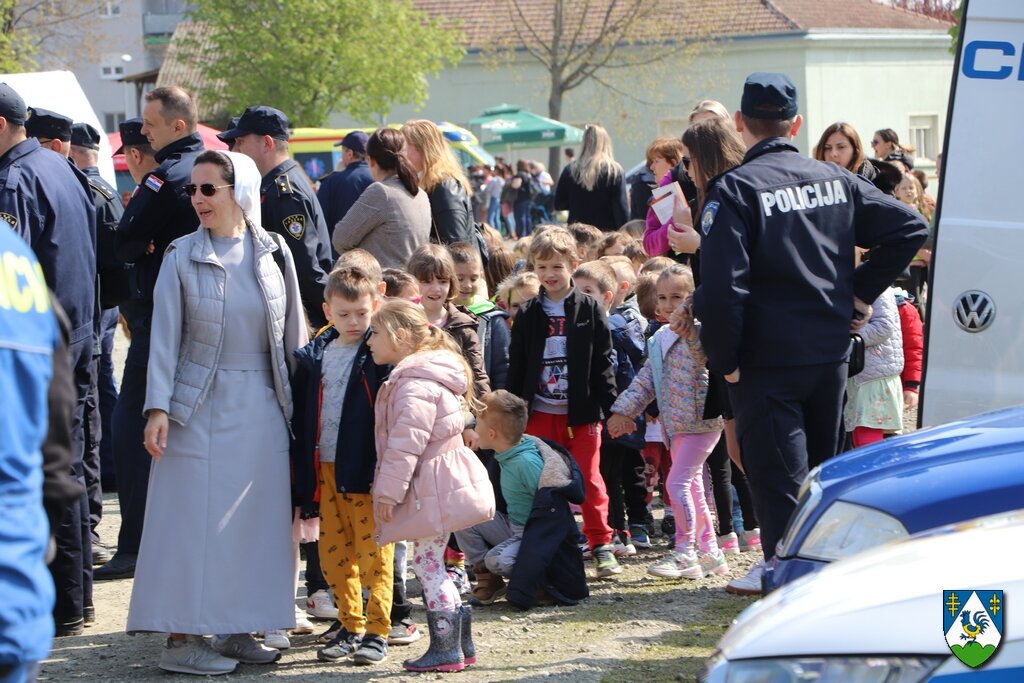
x: 685, y: 485
x: 439, y: 592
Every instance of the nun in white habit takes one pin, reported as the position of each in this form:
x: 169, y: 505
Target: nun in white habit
x: 216, y: 554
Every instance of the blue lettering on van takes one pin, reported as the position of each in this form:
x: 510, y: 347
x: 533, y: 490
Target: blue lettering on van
x: 971, y: 69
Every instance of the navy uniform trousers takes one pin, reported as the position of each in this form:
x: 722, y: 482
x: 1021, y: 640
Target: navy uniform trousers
x: 787, y: 421
x: 72, y: 564
x: 130, y: 456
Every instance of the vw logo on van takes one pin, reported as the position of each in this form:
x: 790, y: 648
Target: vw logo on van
x: 974, y: 311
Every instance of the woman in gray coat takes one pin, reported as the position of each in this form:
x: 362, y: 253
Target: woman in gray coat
x: 216, y: 554
x: 392, y: 216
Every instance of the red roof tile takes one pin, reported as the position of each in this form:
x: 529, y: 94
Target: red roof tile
x: 485, y: 23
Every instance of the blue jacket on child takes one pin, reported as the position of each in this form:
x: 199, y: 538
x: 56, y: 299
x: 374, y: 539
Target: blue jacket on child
x: 628, y: 350
x: 356, y: 457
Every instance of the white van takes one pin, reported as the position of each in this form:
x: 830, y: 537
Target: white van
x: 60, y: 92
x: 975, y: 332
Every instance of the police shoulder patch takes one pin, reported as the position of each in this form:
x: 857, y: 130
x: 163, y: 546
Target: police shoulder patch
x: 707, y: 218
x: 13, y: 220
x: 295, y: 225
x: 154, y: 183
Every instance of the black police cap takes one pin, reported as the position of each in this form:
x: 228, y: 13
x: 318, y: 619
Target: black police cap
x: 259, y: 121
x: 12, y: 107
x: 43, y: 123
x: 84, y: 135
x: 769, y: 96
x: 131, y: 134
x: 222, y: 136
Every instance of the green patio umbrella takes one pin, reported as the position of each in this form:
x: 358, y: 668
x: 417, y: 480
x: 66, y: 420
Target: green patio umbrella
x: 508, y: 127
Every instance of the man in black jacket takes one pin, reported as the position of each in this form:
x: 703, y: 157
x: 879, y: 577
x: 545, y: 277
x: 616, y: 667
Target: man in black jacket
x: 158, y: 213
x: 560, y: 364
x: 779, y: 293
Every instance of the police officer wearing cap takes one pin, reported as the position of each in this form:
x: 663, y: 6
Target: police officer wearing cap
x: 290, y: 206
x: 779, y: 294
x: 340, y: 189
x: 139, y: 156
x: 48, y: 204
x: 113, y: 287
x: 158, y: 213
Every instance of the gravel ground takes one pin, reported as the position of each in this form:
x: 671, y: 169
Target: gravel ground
x: 630, y: 628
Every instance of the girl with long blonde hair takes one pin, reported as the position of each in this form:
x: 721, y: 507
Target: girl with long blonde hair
x: 427, y: 484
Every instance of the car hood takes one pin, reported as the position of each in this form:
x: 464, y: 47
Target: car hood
x: 886, y: 600
x: 961, y: 470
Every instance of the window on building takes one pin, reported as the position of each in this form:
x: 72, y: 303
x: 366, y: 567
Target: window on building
x: 924, y: 135
x: 112, y: 120
x: 110, y: 9
x: 111, y: 71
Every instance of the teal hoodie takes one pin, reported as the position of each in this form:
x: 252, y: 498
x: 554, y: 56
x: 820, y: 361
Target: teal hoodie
x: 521, y: 466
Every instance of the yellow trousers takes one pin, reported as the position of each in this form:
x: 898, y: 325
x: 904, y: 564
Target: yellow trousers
x: 350, y: 558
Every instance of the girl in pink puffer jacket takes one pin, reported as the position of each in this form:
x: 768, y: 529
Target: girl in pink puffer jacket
x: 427, y: 483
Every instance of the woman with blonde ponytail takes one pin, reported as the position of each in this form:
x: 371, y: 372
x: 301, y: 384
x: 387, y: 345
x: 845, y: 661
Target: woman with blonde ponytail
x: 427, y: 484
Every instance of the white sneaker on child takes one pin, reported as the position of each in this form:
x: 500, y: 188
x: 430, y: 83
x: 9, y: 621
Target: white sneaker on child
x: 713, y: 563
x: 303, y: 626
x: 320, y: 605
x: 749, y: 584
x: 677, y: 566
x: 277, y: 639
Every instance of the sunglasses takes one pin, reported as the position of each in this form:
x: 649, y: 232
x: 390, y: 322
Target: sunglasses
x: 686, y: 163
x: 875, y: 142
x: 207, y: 189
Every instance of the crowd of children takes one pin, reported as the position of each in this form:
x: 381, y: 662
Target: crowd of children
x: 470, y: 410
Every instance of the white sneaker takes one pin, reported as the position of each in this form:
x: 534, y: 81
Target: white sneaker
x: 623, y: 548
x: 194, y: 656
x: 277, y: 639
x: 750, y: 584
x: 303, y: 626
x: 713, y: 563
x: 245, y: 648
x: 677, y: 565
x: 320, y: 605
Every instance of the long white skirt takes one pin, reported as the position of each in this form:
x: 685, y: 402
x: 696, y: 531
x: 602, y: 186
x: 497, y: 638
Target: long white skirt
x: 216, y: 553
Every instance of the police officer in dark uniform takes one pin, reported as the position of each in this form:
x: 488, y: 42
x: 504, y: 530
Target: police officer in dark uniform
x: 289, y: 205
x: 113, y: 285
x: 340, y: 190
x: 47, y: 201
x: 779, y: 294
x: 159, y: 212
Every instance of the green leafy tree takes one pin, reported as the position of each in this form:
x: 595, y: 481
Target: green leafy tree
x: 314, y: 57
x: 45, y: 33
x: 605, y: 42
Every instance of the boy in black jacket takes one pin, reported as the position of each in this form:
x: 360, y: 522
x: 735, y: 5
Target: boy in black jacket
x: 560, y: 364
x: 334, y: 458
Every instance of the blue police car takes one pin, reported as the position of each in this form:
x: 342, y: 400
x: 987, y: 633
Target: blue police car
x: 901, y: 486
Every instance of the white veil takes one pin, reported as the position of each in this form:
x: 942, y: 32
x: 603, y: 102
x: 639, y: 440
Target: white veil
x: 247, y: 185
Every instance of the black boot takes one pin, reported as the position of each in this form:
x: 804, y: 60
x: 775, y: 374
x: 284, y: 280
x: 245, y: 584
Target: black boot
x: 445, y: 651
x: 468, y: 649
x: 120, y: 566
